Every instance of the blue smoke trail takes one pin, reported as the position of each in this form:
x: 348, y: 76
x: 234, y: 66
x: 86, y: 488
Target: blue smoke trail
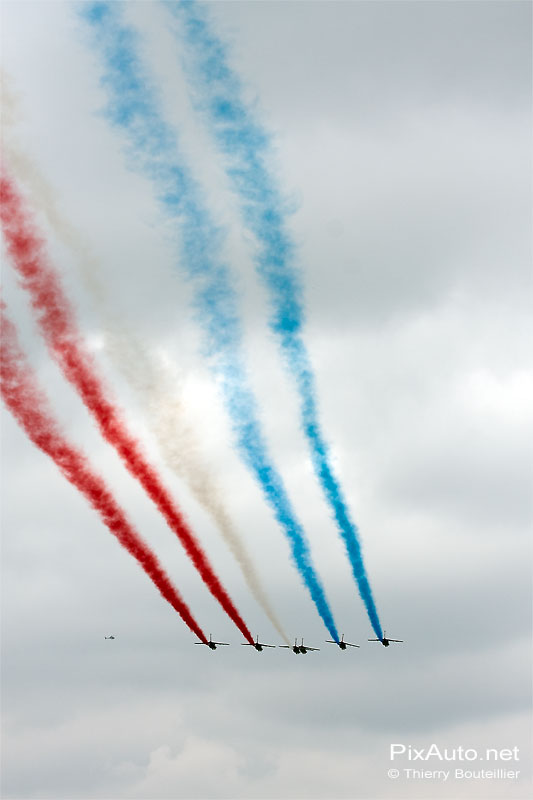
x: 219, y: 94
x: 153, y: 149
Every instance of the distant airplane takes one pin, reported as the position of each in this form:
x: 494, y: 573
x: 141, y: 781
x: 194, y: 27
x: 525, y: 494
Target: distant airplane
x: 257, y: 644
x: 295, y: 648
x: 305, y: 648
x: 109, y: 637
x: 213, y: 645
x: 342, y: 644
x: 385, y: 642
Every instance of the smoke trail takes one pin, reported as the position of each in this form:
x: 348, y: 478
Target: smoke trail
x: 156, y: 386
x: 56, y: 320
x: 29, y: 406
x: 219, y: 94
x: 152, y: 148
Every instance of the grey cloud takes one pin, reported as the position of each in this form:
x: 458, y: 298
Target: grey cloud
x: 403, y: 129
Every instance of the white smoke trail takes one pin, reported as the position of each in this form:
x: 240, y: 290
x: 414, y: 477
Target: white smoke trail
x: 155, y: 384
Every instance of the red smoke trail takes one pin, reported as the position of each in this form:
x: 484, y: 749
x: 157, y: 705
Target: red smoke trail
x: 29, y: 406
x: 56, y: 320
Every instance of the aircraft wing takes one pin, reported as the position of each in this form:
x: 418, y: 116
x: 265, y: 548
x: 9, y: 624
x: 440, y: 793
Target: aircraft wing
x: 396, y: 640
x: 351, y: 645
x: 376, y: 640
x: 224, y: 644
x: 286, y: 646
x: 331, y: 641
x: 311, y: 648
x: 268, y: 645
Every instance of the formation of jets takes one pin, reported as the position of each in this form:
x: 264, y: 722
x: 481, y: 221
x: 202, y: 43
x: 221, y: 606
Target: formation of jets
x: 296, y: 648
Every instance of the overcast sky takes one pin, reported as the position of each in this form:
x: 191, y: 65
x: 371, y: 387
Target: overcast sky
x: 401, y: 139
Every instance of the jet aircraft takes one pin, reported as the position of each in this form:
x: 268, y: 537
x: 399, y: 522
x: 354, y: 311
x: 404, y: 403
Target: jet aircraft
x: 385, y: 642
x: 213, y: 645
x: 342, y: 644
x: 305, y: 648
x: 295, y: 648
x: 257, y: 644
x: 109, y: 637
